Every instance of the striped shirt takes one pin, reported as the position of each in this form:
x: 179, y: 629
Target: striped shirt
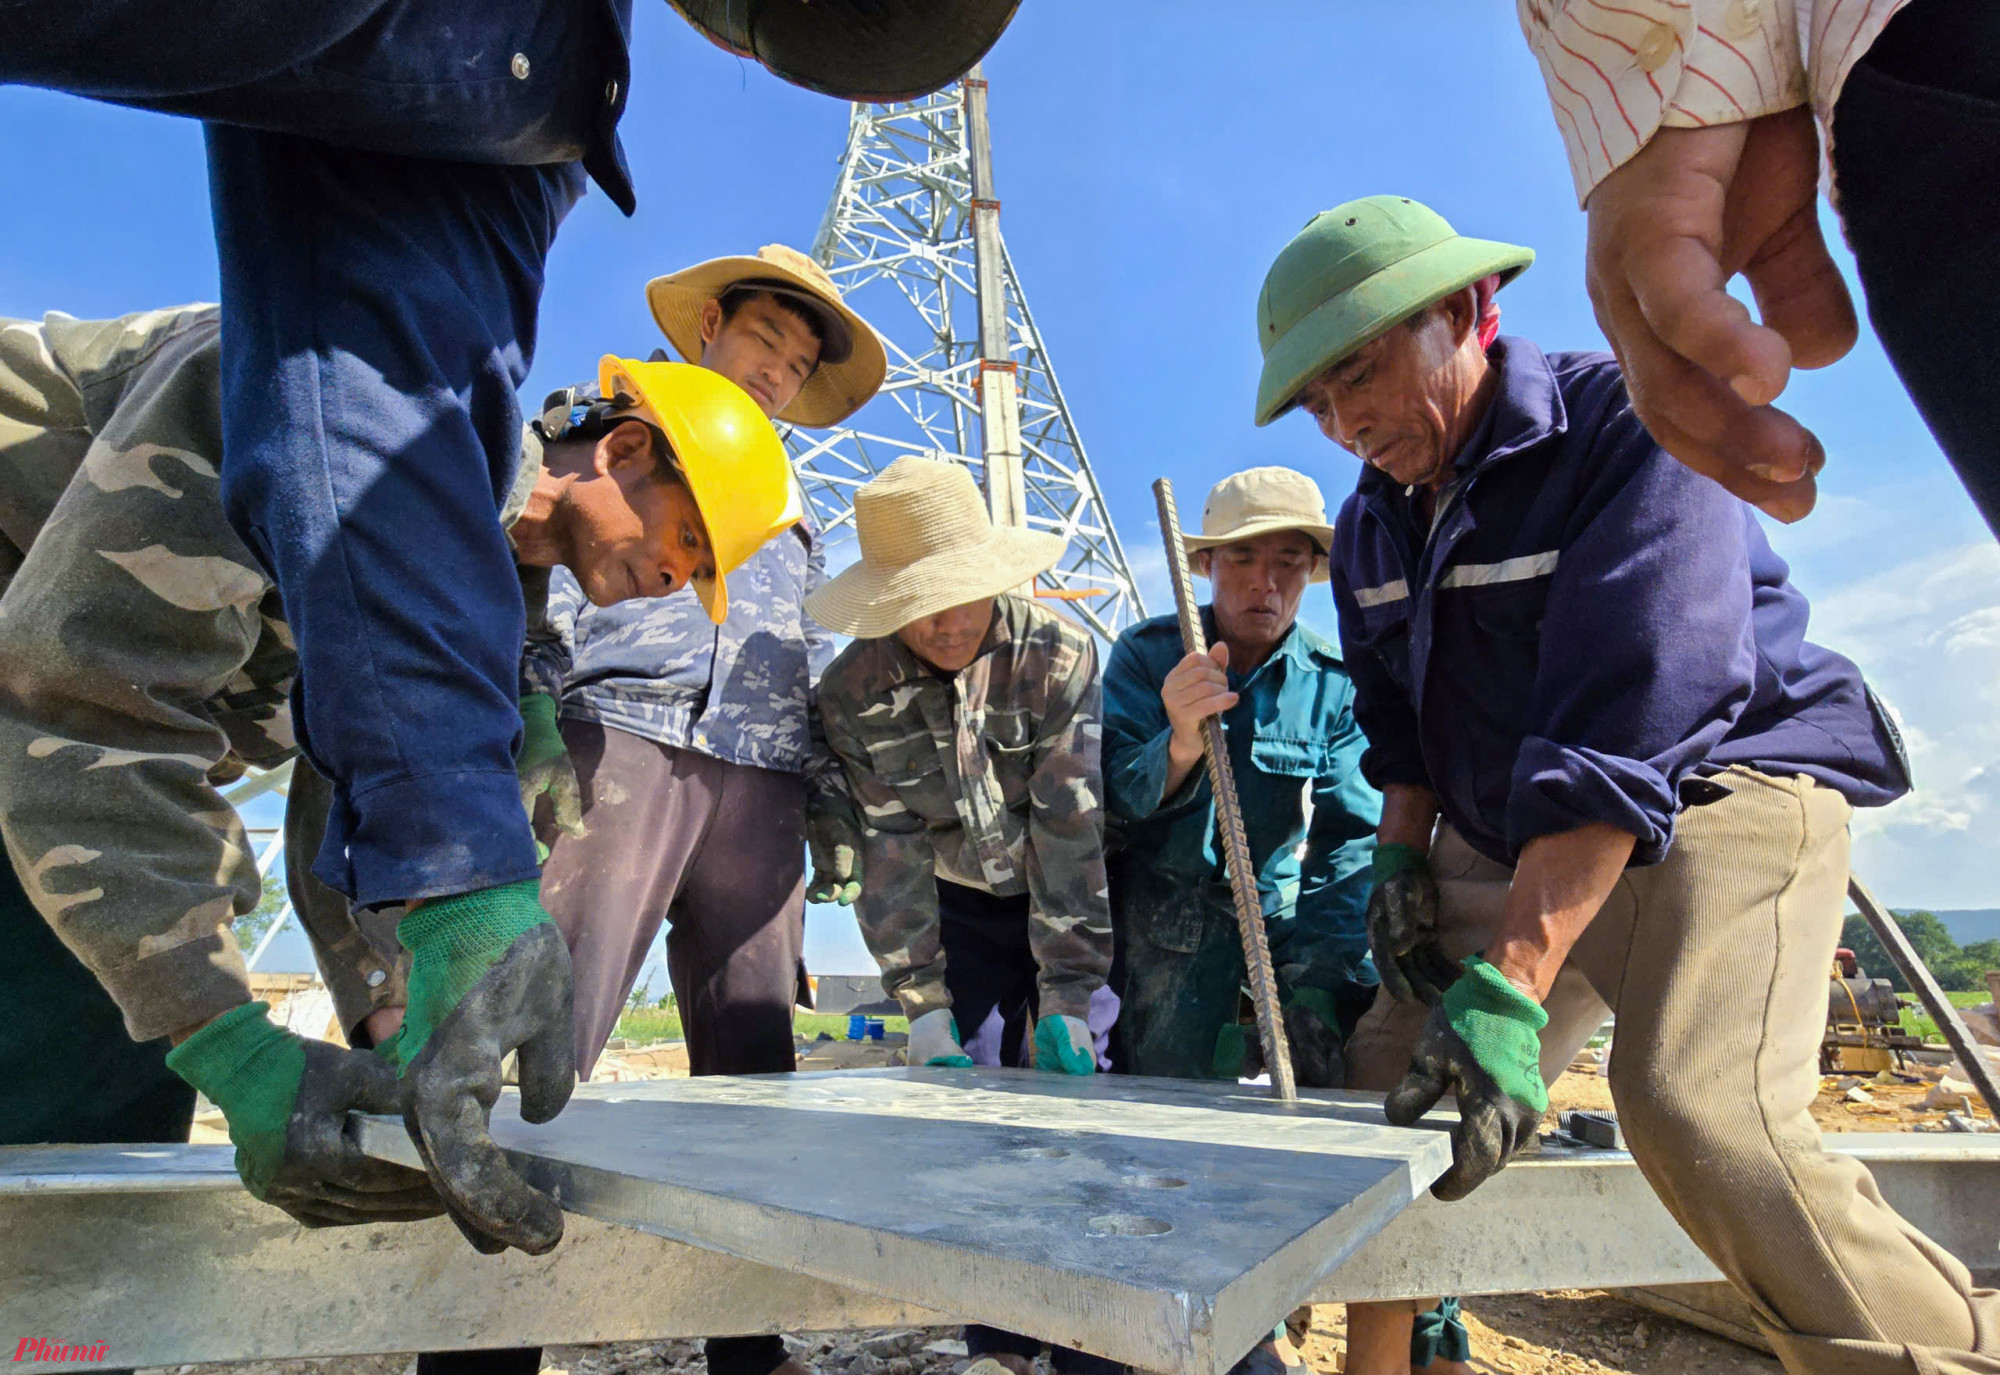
x: 1619, y: 70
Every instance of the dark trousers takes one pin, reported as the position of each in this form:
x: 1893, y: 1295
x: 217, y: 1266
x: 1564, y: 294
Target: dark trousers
x: 1916, y: 161
x: 989, y: 970
x: 68, y: 1072
x: 716, y: 852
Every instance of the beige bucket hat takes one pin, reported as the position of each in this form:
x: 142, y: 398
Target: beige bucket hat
x: 852, y: 362
x: 1258, y: 501
x: 927, y: 545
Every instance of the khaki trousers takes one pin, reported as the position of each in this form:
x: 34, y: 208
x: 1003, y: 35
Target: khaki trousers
x: 1715, y: 961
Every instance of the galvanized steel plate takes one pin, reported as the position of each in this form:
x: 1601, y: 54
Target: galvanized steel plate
x: 1162, y: 1223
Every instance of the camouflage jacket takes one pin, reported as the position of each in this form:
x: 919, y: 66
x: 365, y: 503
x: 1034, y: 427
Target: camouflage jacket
x: 658, y: 668
x: 988, y: 778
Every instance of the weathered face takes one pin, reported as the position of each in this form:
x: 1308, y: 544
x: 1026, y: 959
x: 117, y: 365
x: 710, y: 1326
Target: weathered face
x: 1399, y: 402
x: 1257, y: 584
x: 950, y: 640
x: 628, y: 529
x: 763, y: 348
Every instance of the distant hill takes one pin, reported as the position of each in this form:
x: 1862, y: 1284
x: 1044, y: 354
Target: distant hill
x: 1969, y: 924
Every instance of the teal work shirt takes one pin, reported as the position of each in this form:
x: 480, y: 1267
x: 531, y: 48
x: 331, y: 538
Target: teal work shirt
x: 1292, y: 737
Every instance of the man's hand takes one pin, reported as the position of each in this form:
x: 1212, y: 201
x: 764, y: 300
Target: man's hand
x: 833, y: 840
x: 1482, y: 1044
x: 1196, y: 688
x: 489, y: 974
x: 934, y: 1042
x: 1668, y: 230
x: 544, y: 764
x: 286, y: 1100
x: 1064, y: 1045
x: 1403, y: 927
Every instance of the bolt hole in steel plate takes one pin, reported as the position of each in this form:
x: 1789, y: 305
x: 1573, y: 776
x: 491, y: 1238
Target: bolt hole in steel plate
x: 1127, y: 1225
x: 1154, y: 1181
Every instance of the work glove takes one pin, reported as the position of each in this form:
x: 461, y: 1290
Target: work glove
x: 1064, y: 1045
x: 489, y: 974
x: 544, y: 766
x: 833, y: 841
x: 1483, y: 1045
x: 286, y: 1100
x: 934, y: 1042
x: 1402, y: 927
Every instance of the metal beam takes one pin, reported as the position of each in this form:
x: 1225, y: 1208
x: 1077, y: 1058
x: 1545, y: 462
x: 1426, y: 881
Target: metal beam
x: 159, y: 1253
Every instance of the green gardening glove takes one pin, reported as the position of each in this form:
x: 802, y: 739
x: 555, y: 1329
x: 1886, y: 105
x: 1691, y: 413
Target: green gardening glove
x: 833, y: 841
x: 544, y: 765
x: 1064, y: 1045
x: 286, y: 1100
x: 1483, y: 1045
x: 934, y: 1042
x: 489, y: 974
x: 1403, y: 927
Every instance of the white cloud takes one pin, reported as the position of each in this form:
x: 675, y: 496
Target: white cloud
x: 1926, y: 631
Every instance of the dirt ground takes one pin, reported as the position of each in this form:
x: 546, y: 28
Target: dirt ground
x: 1569, y: 1332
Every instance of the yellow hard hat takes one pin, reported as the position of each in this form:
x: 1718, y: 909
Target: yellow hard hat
x: 728, y: 455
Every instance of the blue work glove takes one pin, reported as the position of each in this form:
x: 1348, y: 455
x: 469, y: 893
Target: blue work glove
x: 1064, y: 1045
x: 489, y: 974
x: 286, y: 1101
x: 1403, y: 927
x: 934, y: 1041
x: 1483, y: 1045
x: 544, y: 766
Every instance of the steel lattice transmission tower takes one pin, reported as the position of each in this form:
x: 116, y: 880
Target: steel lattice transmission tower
x: 912, y: 236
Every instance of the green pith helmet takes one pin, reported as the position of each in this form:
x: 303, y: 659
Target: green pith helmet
x: 1350, y: 275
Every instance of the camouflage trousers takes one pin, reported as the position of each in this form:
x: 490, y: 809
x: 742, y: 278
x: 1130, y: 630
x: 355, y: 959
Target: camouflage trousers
x: 143, y: 662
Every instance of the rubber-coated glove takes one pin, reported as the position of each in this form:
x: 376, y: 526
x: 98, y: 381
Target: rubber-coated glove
x: 544, y: 765
x: 489, y: 973
x: 1064, y: 1045
x: 934, y: 1041
x: 1317, y: 1059
x: 1483, y: 1045
x: 1402, y: 927
x: 286, y: 1100
x: 833, y: 840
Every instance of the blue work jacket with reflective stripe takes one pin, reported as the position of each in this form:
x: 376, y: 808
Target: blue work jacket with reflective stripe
x: 1292, y: 736
x: 1584, y: 626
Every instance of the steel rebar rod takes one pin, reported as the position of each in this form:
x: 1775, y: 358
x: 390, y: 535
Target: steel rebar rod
x: 1229, y: 816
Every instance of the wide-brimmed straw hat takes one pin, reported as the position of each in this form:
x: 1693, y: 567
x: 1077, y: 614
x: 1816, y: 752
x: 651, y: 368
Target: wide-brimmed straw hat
x: 852, y: 362
x: 866, y: 50
x: 927, y: 545
x: 1354, y: 273
x: 1258, y: 501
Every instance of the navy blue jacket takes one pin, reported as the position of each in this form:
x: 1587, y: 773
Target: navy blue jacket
x: 521, y: 83
x: 1587, y: 626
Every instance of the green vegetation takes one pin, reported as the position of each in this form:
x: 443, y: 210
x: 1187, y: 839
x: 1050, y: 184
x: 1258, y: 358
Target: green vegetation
x: 1918, y: 1022
x: 647, y: 1024
x: 251, y: 928
x: 1958, y: 969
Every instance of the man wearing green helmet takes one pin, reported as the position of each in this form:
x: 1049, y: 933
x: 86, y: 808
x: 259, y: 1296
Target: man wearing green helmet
x: 1613, y: 768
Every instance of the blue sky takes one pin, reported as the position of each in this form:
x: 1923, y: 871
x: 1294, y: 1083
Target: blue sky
x: 1148, y: 174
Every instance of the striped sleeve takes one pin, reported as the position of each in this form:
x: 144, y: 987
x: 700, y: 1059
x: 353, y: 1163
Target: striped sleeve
x: 1619, y: 70
x: 1836, y: 33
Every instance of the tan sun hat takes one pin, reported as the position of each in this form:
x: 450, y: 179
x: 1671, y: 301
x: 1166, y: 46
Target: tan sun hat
x: 851, y: 360
x: 1258, y: 501
x: 927, y: 545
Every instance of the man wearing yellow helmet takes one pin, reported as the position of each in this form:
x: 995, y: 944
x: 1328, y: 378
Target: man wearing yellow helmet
x: 171, y: 673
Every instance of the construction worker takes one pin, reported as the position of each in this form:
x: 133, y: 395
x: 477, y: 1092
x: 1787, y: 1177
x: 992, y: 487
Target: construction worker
x: 966, y: 718
x: 1696, y: 135
x: 144, y: 659
x: 691, y: 727
x: 387, y: 177
x: 1287, y: 709
x: 1606, y: 751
